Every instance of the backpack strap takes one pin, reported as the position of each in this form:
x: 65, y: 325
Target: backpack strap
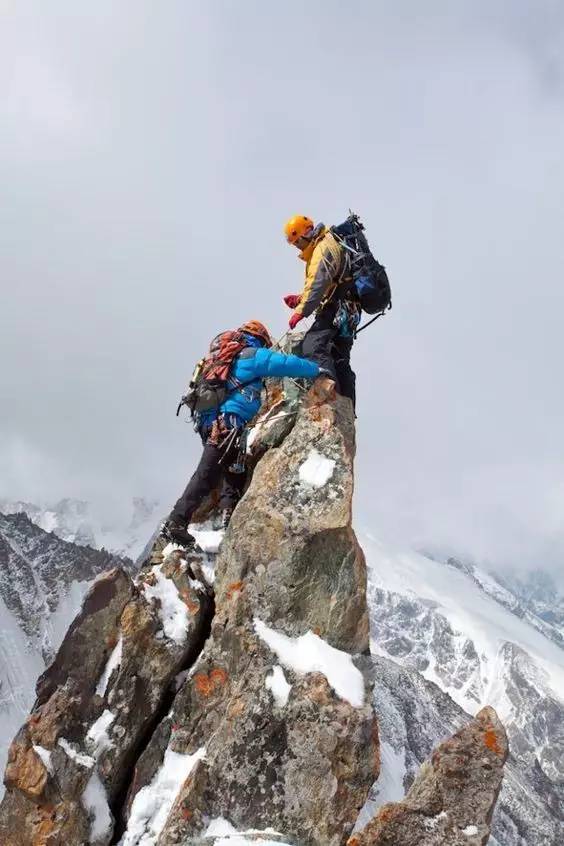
x: 340, y: 255
x: 247, y: 353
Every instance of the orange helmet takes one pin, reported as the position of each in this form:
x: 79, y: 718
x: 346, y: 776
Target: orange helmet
x: 259, y: 330
x: 296, y: 227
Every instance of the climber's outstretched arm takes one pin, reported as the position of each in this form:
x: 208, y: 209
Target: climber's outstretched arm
x: 268, y: 363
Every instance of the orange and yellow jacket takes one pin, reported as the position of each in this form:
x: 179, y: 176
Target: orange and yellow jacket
x: 325, y: 263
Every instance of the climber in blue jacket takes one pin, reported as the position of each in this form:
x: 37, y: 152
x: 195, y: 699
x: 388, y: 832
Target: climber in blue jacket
x: 220, y: 429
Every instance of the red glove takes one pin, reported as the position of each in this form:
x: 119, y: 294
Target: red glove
x: 295, y: 319
x: 293, y: 300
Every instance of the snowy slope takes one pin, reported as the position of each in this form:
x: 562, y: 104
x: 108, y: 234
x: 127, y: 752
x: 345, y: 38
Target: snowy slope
x: 20, y: 665
x: 42, y: 583
x: 77, y: 521
x: 453, y: 627
x: 458, y: 637
x: 414, y: 716
x: 474, y: 617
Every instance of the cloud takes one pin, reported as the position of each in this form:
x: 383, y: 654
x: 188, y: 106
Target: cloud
x: 153, y: 155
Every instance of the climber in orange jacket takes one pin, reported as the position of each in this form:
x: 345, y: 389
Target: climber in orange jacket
x: 328, y: 291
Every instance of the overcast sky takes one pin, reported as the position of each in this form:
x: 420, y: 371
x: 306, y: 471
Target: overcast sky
x: 149, y: 154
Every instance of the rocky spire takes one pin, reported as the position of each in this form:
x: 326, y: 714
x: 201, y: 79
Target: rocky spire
x: 162, y: 722
x: 452, y: 799
x: 174, y: 714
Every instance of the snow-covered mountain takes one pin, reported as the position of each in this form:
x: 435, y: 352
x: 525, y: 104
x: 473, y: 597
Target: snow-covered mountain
x: 76, y: 521
x: 42, y: 582
x: 454, y: 628
x: 448, y: 637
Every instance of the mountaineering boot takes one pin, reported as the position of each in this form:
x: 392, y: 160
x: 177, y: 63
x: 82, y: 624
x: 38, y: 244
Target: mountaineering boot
x: 226, y: 515
x: 177, y: 532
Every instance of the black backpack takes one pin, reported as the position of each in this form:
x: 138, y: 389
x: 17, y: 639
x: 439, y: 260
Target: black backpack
x: 369, y: 277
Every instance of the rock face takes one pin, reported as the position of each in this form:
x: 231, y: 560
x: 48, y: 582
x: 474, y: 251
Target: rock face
x: 43, y: 580
x: 37, y: 567
x: 452, y: 799
x: 98, y: 702
x: 276, y: 707
x: 414, y: 717
x: 272, y: 727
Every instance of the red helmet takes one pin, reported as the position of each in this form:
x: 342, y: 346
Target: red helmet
x: 258, y: 329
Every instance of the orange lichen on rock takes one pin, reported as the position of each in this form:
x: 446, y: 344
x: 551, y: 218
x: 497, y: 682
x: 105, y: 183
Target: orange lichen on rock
x: 203, y: 684
x: 208, y: 684
x: 192, y: 606
x: 492, y: 742
x: 25, y: 771
x: 388, y: 812
x: 218, y: 676
x: 233, y: 588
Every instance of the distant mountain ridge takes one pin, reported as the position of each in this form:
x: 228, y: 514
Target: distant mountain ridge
x: 468, y: 634
x: 436, y: 623
x: 75, y: 521
x: 42, y: 582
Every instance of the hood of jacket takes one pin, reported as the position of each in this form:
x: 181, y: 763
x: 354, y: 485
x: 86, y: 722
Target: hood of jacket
x: 318, y: 233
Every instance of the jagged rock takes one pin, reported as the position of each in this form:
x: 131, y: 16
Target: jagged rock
x: 278, y: 747
x: 452, y: 799
x: 43, y: 581
x: 415, y: 716
x: 409, y: 599
x: 98, y: 702
x: 272, y: 727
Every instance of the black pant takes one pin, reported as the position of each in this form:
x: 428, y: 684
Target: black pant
x: 213, y: 468
x: 332, y: 351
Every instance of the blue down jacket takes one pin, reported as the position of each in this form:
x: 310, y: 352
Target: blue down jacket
x: 252, y: 366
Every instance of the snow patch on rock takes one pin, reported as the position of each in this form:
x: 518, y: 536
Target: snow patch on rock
x: 390, y: 785
x: 431, y: 823
x: 78, y: 757
x: 98, y: 736
x: 44, y: 756
x: 172, y: 611
x: 95, y: 802
x: 113, y: 662
x: 316, y: 470
x: 153, y: 803
x: 229, y: 836
x: 311, y: 654
x: 278, y: 686
x: 218, y: 827
x: 207, y: 539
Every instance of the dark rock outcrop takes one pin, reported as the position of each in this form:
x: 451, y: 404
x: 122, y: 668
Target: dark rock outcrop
x: 414, y: 717
x: 453, y: 797
x: 98, y: 703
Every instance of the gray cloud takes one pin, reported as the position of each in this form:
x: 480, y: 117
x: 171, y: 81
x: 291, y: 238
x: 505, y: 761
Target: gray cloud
x: 149, y: 156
